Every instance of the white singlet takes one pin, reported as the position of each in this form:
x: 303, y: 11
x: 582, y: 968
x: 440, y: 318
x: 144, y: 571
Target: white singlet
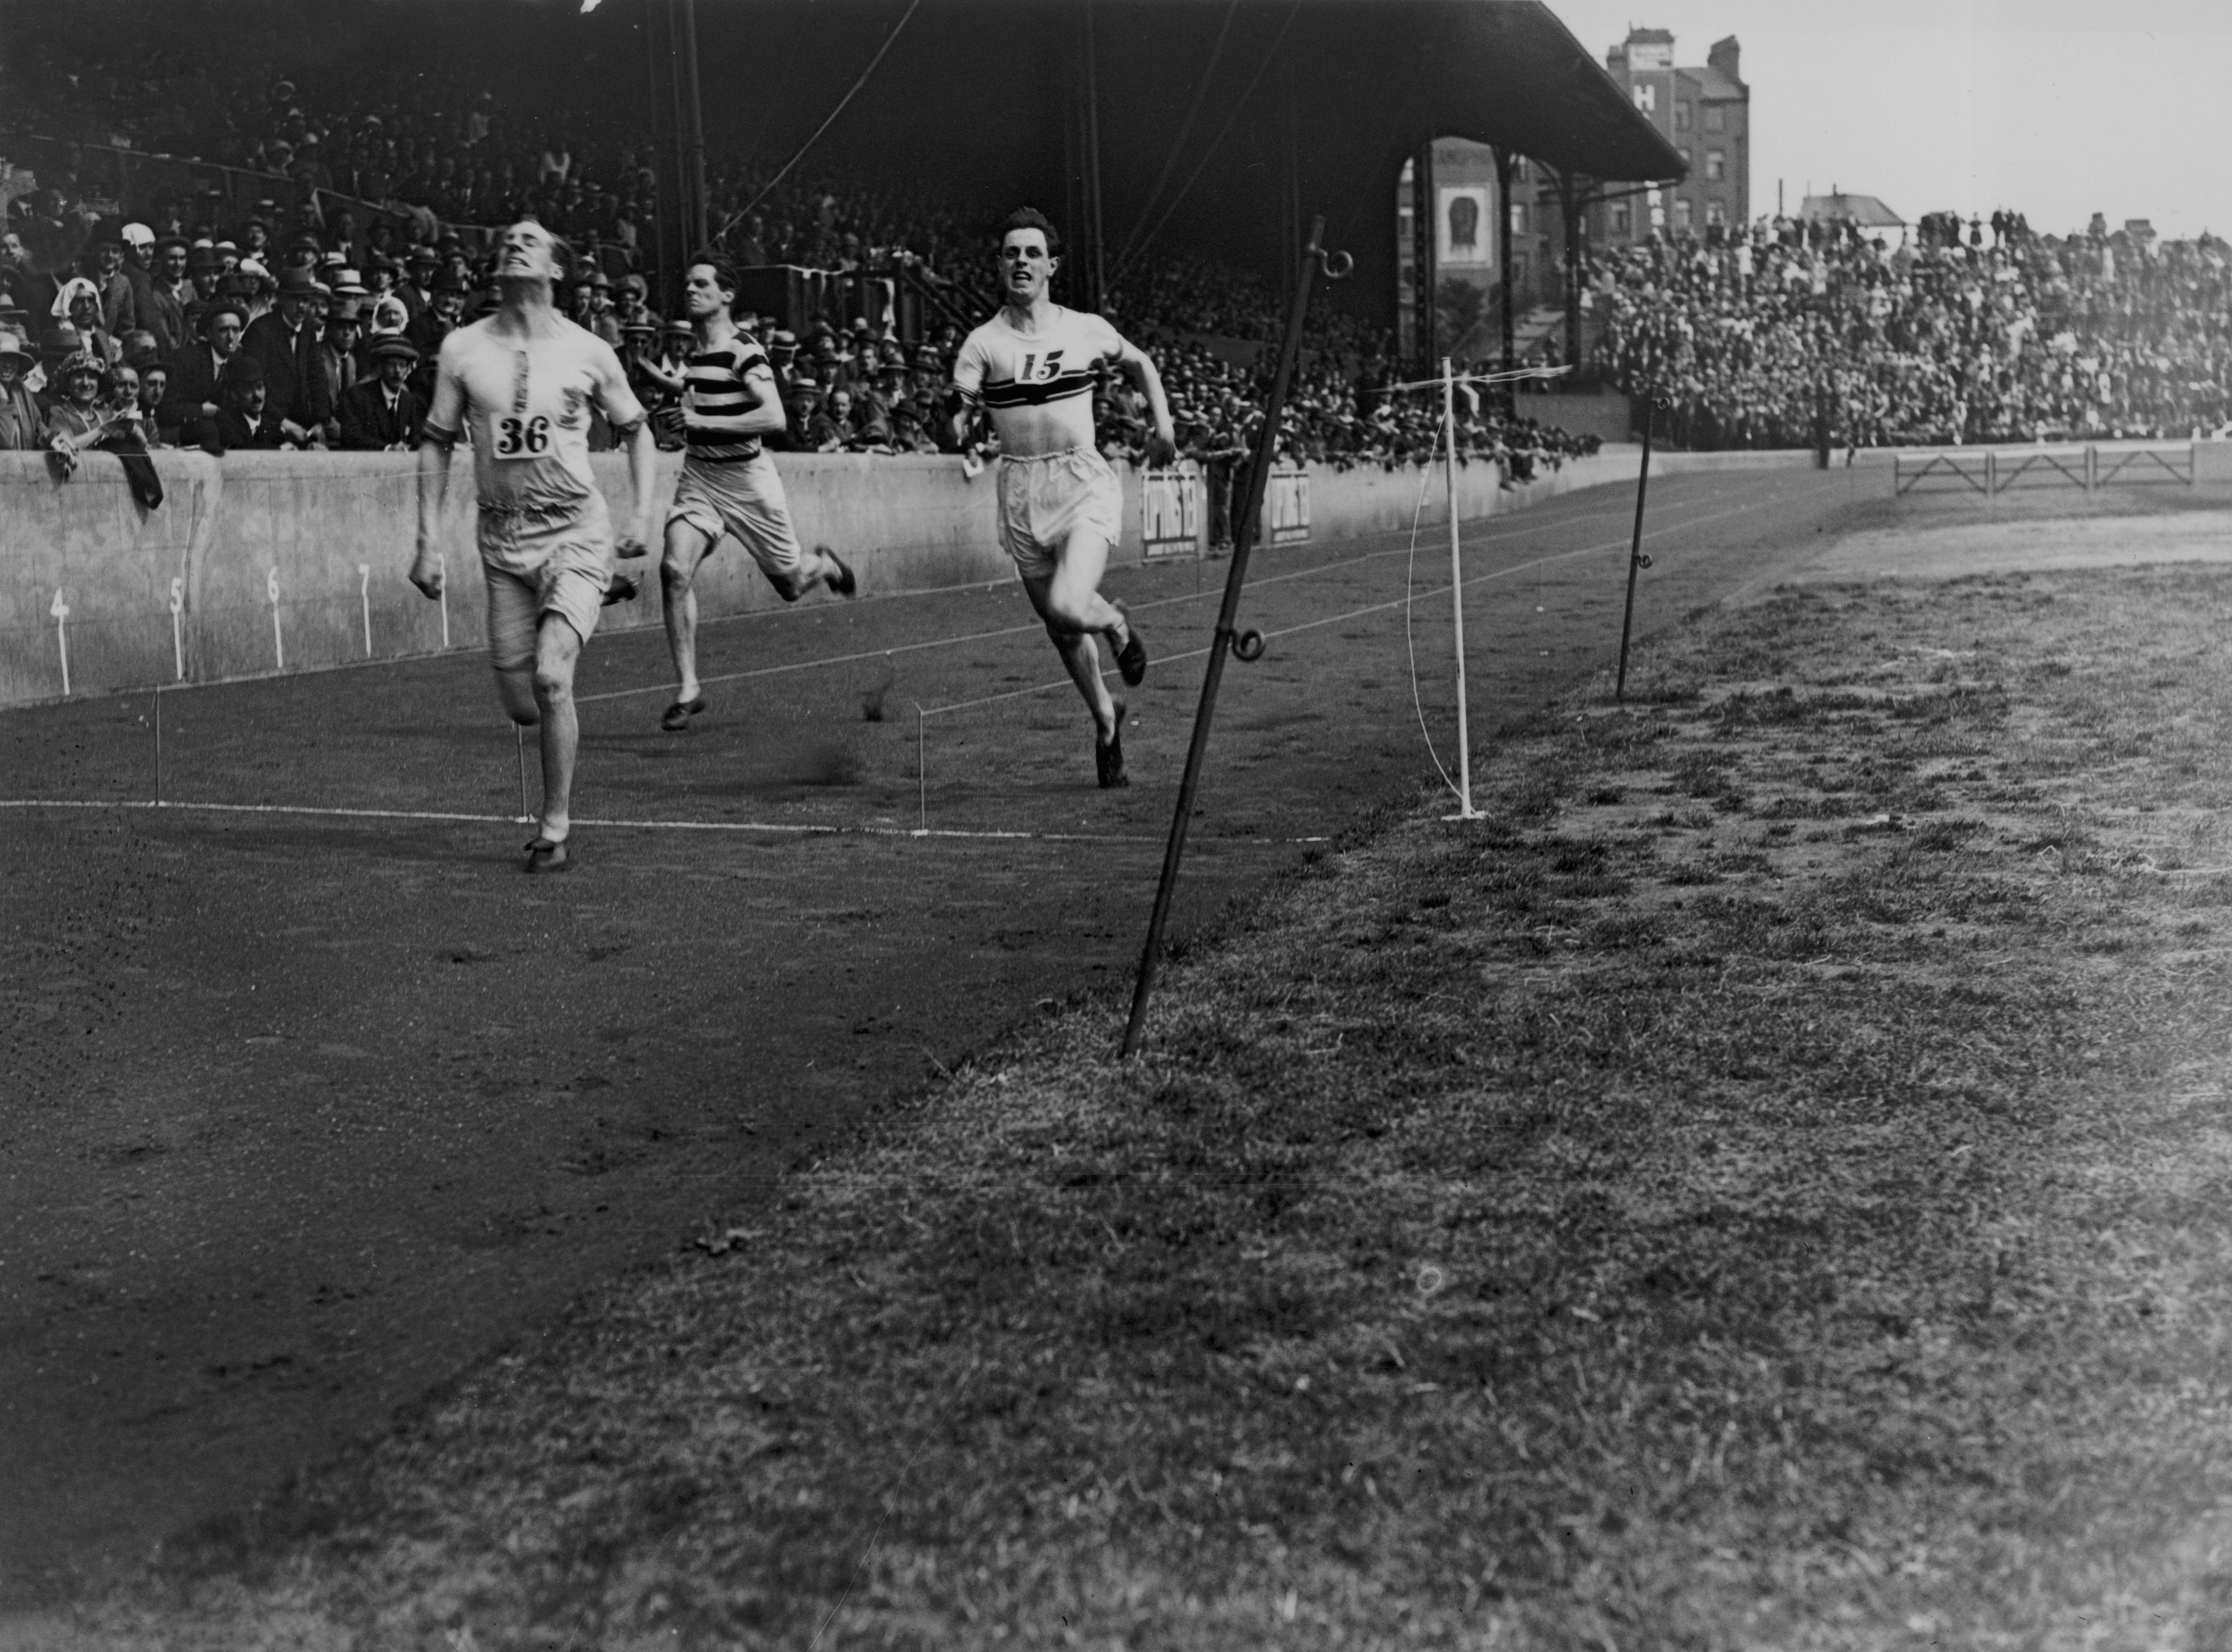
x: 1038, y: 386
x: 528, y: 403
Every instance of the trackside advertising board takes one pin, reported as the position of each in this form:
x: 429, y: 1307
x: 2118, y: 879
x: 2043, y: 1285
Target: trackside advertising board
x: 1170, y: 513
x: 1286, y: 507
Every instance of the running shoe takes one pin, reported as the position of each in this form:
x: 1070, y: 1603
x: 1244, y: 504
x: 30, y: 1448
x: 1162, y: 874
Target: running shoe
x: 1132, y: 659
x: 843, y: 581
x: 622, y: 587
x: 677, y: 717
x: 1108, y: 755
x: 545, y: 856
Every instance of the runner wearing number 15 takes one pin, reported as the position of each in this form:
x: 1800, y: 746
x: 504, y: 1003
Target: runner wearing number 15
x: 1030, y: 367
x: 522, y: 381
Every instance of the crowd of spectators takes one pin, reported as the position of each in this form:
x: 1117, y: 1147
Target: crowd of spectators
x: 1797, y: 334
x: 289, y: 333
x: 316, y: 327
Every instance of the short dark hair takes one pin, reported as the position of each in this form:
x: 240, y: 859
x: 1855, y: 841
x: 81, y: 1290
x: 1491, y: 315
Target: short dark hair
x: 1029, y: 217
x: 724, y: 271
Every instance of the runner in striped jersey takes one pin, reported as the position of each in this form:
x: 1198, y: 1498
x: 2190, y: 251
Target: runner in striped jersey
x: 729, y: 485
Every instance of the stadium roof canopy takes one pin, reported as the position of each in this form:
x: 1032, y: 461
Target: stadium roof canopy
x: 1221, y: 124
x: 1205, y: 108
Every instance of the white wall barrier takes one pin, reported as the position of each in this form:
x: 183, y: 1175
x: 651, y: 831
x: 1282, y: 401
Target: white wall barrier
x: 261, y: 558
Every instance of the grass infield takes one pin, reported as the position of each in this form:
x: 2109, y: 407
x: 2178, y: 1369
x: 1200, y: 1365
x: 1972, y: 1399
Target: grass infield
x: 1763, y: 1187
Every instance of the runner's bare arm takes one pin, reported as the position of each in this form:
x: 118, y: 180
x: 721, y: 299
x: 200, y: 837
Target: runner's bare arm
x: 1139, y: 367
x: 968, y: 406
x: 444, y: 420
x: 627, y: 417
x: 966, y: 414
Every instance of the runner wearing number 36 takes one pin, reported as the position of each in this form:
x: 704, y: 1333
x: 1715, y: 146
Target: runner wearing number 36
x: 522, y: 381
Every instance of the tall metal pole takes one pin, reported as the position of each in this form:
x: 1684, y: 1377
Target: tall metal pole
x: 1569, y: 208
x: 693, y: 134
x: 1506, y: 166
x: 1466, y: 812
x: 1093, y: 162
x: 666, y: 224
x: 1636, y: 560
x: 1226, y: 640
x: 1425, y: 321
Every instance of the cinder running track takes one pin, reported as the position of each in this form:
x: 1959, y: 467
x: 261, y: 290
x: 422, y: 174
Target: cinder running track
x: 305, y: 1112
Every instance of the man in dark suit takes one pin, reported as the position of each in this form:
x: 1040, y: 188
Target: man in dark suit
x: 285, y: 343
x: 193, y: 402
x: 383, y: 412
x: 247, y: 420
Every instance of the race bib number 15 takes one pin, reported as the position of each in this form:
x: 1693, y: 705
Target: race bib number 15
x: 522, y: 438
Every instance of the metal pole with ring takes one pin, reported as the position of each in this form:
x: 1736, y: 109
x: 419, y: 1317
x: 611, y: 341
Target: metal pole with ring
x: 1244, y: 646
x: 1637, y: 561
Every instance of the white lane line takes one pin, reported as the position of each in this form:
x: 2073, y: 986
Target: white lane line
x: 803, y: 828
x: 1358, y: 613
x: 1035, y: 628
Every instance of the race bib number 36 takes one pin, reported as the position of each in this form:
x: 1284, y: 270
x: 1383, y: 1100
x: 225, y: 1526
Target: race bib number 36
x: 522, y: 438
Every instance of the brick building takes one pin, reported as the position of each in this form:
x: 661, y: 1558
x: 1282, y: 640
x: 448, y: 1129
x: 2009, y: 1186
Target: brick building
x: 1705, y: 113
x: 1456, y: 223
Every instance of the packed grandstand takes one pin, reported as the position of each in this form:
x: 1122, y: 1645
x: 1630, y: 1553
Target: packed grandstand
x: 1775, y: 335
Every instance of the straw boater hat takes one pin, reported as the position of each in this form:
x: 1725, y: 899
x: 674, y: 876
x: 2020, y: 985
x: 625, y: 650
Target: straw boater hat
x: 392, y: 346
x: 11, y: 349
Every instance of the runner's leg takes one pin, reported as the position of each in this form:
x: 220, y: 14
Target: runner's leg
x: 1056, y: 597
x: 557, y: 649
x: 511, y: 627
x: 687, y: 548
x: 1073, y: 598
x: 759, y: 515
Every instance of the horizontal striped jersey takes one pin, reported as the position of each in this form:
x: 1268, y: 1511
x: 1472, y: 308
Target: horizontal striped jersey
x: 715, y: 398
x: 1003, y: 368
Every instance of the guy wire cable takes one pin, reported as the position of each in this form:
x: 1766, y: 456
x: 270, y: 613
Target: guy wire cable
x: 735, y: 218
x: 1269, y: 57
x: 1185, y: 131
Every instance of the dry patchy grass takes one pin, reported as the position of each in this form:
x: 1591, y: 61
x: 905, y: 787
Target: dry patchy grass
x: 1766, y: 1188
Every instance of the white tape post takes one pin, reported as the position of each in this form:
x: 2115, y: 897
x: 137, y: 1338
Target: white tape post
x: 179, y: 626
x: 442, y: 562
x: 364, y: 599
x: 278, y: 641
x: 60, y: 610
